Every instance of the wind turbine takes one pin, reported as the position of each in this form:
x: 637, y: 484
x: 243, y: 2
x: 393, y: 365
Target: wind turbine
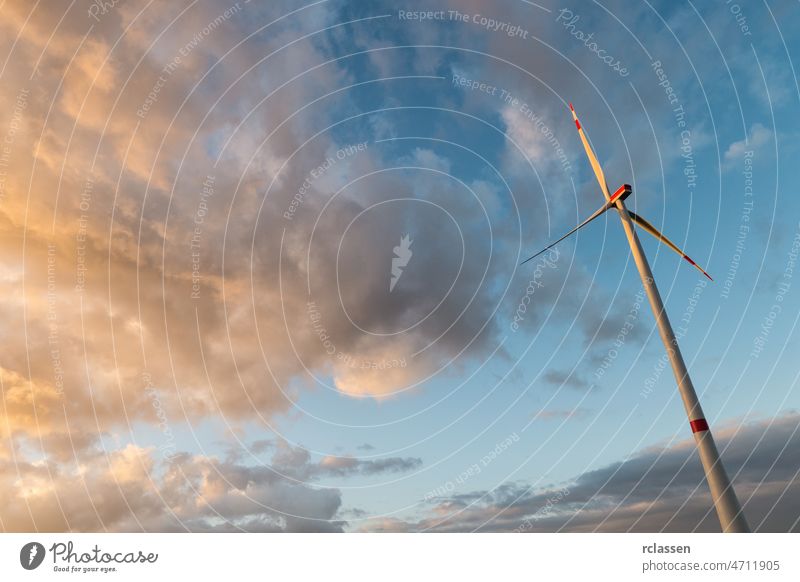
x: 726, y: 503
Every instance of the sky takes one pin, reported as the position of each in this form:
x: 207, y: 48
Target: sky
x: 261, y: 264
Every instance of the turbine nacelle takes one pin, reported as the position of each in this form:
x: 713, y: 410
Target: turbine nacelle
x: 622, y: 193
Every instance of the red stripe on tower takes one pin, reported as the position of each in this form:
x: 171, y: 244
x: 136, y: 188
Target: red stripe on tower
x: 698, y: 425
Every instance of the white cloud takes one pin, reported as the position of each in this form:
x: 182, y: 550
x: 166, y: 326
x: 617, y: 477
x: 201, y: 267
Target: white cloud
x: 759, y: 135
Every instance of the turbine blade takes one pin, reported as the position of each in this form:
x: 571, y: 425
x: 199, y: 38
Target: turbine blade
x: 598, y: 170
x: 599, y: 211
x: 655, y: 232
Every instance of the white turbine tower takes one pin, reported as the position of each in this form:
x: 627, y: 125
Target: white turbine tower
x: 727, y: 505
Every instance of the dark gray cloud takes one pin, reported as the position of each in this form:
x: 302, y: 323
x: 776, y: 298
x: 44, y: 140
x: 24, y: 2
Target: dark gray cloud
x: 659, y: 489
x: 559, y: 379
x: 345, y: 466
x: 295, y: 461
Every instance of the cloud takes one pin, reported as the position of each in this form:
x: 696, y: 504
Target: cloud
x: 530, y: 132
x: 658, y: 489
x: 147, y: 489
x: 561, y: 414
x: 204, y: 291
x: 343, y: 466
x: 560, y: 379
x: 759, y: 135
x: 163, y: 289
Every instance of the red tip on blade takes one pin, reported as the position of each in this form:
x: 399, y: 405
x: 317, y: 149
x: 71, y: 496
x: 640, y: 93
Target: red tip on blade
x: 571, y: 107
x: 577, y: 123
x: 691, y: 262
